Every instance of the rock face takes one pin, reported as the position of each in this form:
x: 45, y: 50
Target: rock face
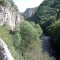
x: 9, y: 16
x: 29, y: 12
x: 4, y: 51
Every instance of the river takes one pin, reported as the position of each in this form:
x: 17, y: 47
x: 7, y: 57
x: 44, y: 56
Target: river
x: 47, y: 47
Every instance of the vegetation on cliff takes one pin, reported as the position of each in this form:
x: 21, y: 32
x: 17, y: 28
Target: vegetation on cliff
x: 5, y: 3
x: 48, y: 16
x: 25, y: 43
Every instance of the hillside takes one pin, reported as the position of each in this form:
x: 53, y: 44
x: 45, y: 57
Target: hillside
x: 29, y: 12
x: 48, y: 17
x: 46, y: 13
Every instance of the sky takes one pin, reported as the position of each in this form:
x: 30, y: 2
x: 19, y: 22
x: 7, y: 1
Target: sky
x: 24, y: 4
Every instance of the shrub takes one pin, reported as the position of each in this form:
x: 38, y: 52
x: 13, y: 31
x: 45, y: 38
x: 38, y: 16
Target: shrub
x: 28, y: 32
x: 37, y: 26
x: 17, y: 40
x: 8, y: 39
x: 30, y: 43
x: 4, y: 2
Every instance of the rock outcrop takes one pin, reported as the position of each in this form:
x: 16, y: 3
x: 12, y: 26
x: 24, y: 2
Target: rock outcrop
x: 4, y: 51
x: 29, y: 12
x: 9, y: 15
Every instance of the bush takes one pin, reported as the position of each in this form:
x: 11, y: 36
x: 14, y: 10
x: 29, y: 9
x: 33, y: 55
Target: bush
x: 37, y: 26
x: 28, y: 33
x: 13, y: 4
x: 30, y: 43
x: 8, y: 39
x: 17, y: 39
x: 4, y: 2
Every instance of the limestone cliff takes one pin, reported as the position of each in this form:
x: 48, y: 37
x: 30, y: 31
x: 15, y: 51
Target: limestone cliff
x: 4, y: 51
x: 29, y: 12
x: 9, y: 15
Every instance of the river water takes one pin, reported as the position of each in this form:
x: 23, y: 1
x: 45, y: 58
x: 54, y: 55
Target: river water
x: 47, y: 47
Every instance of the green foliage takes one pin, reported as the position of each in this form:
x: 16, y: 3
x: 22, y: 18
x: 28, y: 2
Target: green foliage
x: 47, y: 13
x: 8, y: 39
x: 25, y: 44
x: 37, y: 26
x: 30, y: 43
x: 4, y: 34
x: 48, y: 16
x: 3, y: 2
x: 17, y: 39
x: 28, y: 33
x: 54, y: 31
x: 13, y: 4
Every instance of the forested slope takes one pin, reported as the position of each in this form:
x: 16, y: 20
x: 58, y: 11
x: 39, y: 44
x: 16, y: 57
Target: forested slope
x: 48, y: 16
x: 24, y: 42
x: 29, y: 12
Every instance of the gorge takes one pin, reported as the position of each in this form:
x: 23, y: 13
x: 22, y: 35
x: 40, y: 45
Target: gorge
x: 35, y: 38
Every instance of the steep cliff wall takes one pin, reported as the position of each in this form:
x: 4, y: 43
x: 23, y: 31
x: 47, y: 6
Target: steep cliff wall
x: 4, y: 51
x: 9, y: 16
